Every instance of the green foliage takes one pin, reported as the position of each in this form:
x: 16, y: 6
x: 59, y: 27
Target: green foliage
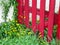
x: 13, y: 33
x: 12, y: 29
x: 6, y: 9
x: 25, y: 40
x: 6, y: 5
x: 53, y: 42
x: 43, y: 41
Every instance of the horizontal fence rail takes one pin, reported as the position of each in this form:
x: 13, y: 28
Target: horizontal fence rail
x: 47, y: 18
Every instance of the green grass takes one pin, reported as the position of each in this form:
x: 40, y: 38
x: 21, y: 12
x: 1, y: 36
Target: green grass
x: 23, y: 40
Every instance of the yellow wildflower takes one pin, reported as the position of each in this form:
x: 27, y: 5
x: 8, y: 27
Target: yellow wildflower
x: 22, y: 33
x: 16, y: 21
x: 5, y: 31
x: 18, y: 34
x: 11, y: 27
x: 17, y: 24
x: 9, y: 33
x: 14, y: 30
x: 43, y: 42
x: 29, y: 33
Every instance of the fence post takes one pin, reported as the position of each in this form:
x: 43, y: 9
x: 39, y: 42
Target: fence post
x: 51, y: 20
x: 20, y: 11
x: 42, y: 15
x: 34, y: 12
x: 26, y: 13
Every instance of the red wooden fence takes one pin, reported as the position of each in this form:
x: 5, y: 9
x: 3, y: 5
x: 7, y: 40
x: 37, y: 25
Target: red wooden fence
x: 23, y: 16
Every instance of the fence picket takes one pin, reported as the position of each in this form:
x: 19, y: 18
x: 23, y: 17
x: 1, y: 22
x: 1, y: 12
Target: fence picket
x: 23, y: 14
x: 51, y: 19
x: 42, y: 15
x: 20, y: 11
x: 34, y: 12
x: 26, y: 14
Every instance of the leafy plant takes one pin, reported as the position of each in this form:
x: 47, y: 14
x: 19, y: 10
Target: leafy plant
x: 6, y: 5
x: 13, y: 33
